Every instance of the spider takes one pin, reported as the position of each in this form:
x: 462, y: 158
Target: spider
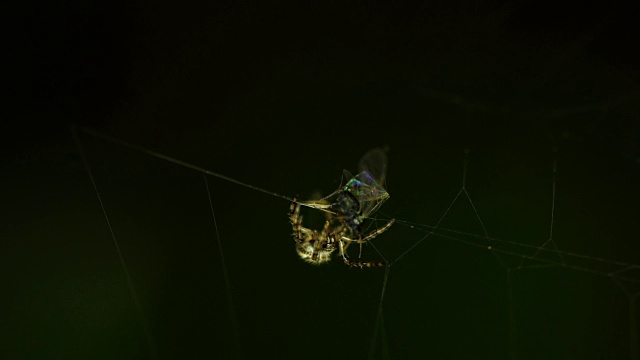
x: 316, y: 247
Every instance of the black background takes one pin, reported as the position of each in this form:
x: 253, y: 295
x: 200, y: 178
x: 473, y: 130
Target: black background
x: 283, y: 96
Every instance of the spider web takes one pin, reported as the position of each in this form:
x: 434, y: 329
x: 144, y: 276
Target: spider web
x: 498, y: 256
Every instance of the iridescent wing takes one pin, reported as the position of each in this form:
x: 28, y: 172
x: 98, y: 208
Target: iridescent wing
x: 361, y: 195
x: 366, y: 190
x: 368, y: 185
x: 375, y: 163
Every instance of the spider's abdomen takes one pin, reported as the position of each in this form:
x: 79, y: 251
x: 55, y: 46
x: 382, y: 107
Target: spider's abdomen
x: 310, y: 253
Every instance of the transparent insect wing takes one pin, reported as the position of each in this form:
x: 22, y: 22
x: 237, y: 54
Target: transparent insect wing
x: 346, y: 179
x: 365, y: 187
x: 367, y: 191
x: 375, y: 163
x: 372, y: 201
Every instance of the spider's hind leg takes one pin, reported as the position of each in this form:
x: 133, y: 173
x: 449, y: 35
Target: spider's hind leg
x: 361, y: 240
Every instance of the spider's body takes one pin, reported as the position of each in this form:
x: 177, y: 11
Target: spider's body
x: 345, y: 211
x: 313, y: 246
x: 316, y: 247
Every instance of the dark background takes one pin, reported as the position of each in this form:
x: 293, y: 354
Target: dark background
x: 283, y: 96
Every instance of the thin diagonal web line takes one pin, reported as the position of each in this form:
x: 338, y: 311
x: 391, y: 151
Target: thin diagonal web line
x: 429, y: 230
x: 225, y: 274
x: 489, y: 243
x: 180, y: 162
x: 153, y: 352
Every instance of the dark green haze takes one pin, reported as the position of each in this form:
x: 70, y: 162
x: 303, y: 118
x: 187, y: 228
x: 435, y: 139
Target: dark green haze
x: 284, y: 98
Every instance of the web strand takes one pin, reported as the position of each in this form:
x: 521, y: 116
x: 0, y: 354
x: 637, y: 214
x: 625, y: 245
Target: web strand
x: 379, y: 328
x: 440, y: 232
x: 199, y: 169
x: 550, y: 239
x: 225, y: 275
x: 179, y: 162
x: 431, y: 230
x: 616, y: 270
x: 132, y: 290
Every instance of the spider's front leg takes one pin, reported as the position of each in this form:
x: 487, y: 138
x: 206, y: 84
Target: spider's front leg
x: 296, y: 220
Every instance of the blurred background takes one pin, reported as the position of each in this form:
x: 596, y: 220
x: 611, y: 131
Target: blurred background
x: 284, y: 96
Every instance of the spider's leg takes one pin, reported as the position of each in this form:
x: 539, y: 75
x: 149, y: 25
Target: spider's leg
x: 347, y: 242
x: 374, y: 233
x: 343, y: 252
x: 324, y: 240
x: 321, y: 204
x: 380, y: 230
x: 360, y: 264
x: 296, y: 220
x: 361, y: 240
